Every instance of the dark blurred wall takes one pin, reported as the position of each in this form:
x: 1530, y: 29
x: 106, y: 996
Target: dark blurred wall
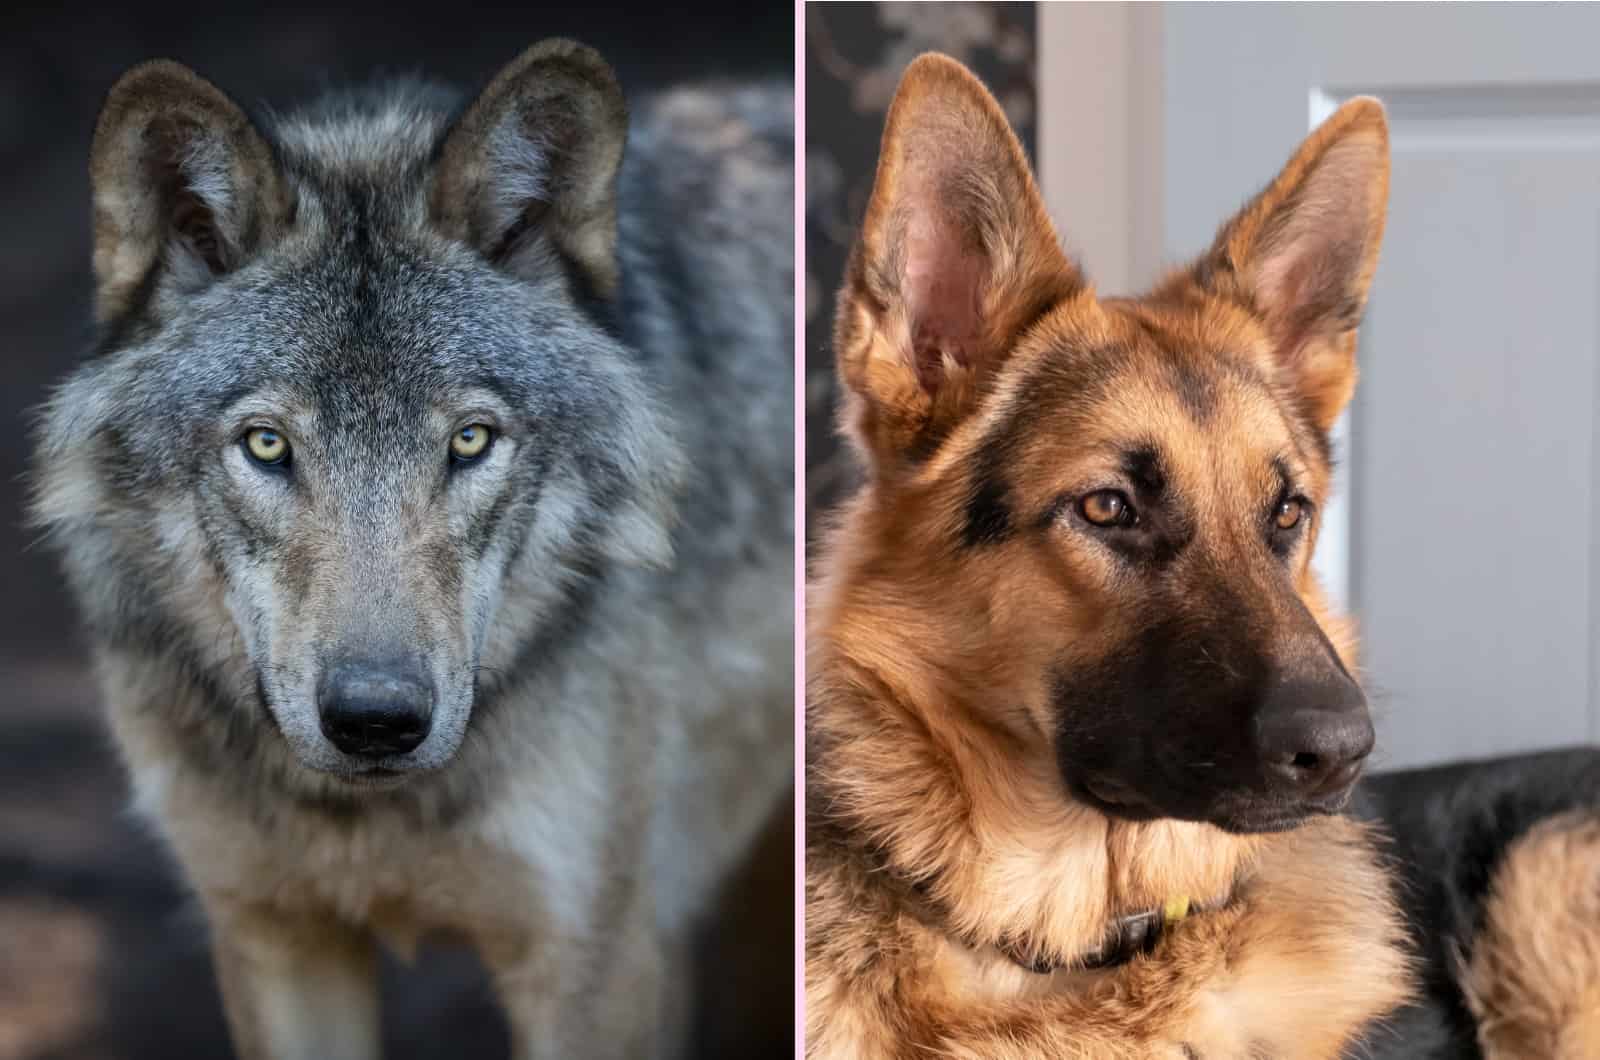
x: 854, y: 56
x: 56, y: 65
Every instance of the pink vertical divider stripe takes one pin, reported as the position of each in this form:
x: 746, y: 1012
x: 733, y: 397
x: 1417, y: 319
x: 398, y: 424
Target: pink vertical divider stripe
x: 799, y: 530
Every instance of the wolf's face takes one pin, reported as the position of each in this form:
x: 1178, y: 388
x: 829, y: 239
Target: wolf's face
x: 355, y: 398
x: 1108, y: 507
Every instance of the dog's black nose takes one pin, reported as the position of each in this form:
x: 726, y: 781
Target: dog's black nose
x: 375, y: 711
x: 1312, y: 737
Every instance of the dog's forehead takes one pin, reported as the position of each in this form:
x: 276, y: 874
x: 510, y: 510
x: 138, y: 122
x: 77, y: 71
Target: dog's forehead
x: 1092, y: 387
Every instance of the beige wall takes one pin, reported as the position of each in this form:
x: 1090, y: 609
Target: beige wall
x: 1099, y: 136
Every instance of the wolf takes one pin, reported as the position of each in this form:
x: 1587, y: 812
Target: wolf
x: 1081, y: 724
x: 428, y: 501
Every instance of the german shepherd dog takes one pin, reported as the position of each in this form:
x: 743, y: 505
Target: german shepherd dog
x: 1080, y: 721
x: 429, y: 501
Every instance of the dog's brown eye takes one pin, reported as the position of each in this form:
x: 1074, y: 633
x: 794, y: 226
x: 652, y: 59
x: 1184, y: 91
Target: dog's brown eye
x: 266, y: 446
x: 469, y: 442
x: 1107, y: 508
x: 1290, y: 512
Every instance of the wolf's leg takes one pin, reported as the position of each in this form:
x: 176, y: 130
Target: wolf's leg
x: 598, y: 997
x: 296, y: 987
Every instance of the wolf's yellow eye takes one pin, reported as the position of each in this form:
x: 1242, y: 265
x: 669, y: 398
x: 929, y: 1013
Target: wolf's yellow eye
x: 470, y: 442
x: 1107, y: 508
x: 1289, y: 514
x: 266, y: 446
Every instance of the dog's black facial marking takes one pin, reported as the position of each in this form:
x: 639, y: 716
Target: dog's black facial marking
x: 1194, y: 380
x: 1196, y: 390
x: 1282, y: 540
x: 1322, y: 443
x: 1197, y: 393
x: 1180, y: 717
x: 1280, y: 467
x: 988, y: 515
x: 1161, y: 529
x: 1151, y: 729
x: 1142, y: 465
x: 1155, y: 542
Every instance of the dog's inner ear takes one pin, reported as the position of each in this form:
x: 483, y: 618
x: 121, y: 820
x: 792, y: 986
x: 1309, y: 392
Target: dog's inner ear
x: 1303, y: 253
x: 943, y: 274
x: 530, y: 167
x: 179, y: 176
x: 956, y: 258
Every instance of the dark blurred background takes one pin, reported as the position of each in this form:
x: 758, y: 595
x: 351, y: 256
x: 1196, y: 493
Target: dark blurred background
x: 100, y: 955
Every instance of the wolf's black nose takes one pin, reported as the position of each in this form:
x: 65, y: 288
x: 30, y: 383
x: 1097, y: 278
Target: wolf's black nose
x: 374, y: 711
x: 1312, y: 736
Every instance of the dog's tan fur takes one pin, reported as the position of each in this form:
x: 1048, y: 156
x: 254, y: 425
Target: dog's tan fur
x: 938, y: 831
x: 1533, y: 978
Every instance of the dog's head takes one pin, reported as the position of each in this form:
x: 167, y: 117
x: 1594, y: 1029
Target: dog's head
x: 359, y: 390
x: 1106, y: 509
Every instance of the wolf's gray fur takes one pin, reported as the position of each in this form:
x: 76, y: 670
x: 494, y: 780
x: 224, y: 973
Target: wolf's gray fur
x: 601, y: 604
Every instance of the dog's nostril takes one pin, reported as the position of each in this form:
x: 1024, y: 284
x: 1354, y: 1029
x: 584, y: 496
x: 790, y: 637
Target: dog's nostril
x: 1312, y: 738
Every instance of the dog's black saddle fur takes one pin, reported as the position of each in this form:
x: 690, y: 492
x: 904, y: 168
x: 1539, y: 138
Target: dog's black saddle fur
x: 1450, y: 826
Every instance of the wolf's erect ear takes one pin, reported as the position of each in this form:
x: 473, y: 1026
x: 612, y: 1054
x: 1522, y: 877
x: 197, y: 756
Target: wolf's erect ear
x: 176, y: 169
x: 956, y: 257
x: 532, y: 163
x: 1302, y: 254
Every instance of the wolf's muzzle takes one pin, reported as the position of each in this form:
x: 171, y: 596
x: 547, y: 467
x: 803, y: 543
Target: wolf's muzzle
x: 375, y: 711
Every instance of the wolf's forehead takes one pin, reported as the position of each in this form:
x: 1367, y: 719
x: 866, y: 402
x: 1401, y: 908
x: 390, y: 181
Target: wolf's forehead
x: 339, y: 315
x: 361, y: 341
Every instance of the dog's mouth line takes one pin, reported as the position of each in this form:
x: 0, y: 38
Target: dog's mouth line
x: 1116, y: 799
x: 1111, y: 793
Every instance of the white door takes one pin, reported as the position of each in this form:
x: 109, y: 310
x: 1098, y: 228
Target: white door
x: 1469, y: 544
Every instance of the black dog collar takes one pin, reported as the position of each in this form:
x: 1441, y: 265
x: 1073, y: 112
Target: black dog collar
x: 1125, y: 939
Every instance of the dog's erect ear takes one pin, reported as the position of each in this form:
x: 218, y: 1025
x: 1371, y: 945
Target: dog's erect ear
x: 1302, y: 254
x: 531, y: 165
x: 956, y: 258
x: 176, y: 169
